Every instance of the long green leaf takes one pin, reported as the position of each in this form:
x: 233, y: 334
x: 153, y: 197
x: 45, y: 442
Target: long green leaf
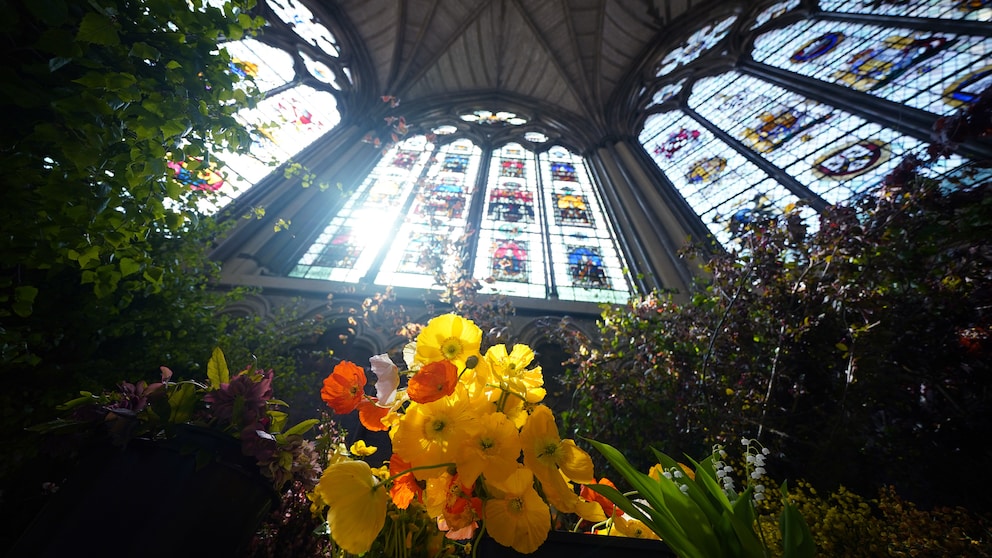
x: 692, y: 510
x: 664, y: 523
x: 797, y: 540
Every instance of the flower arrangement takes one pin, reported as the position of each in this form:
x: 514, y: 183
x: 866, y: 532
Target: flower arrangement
x: 241, y: 406
x: 473, y: 449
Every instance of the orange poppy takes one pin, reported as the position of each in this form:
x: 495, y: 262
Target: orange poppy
x: 592, y: 496
x: 404, y: 488
x: 371, y: 415
x: 344, y: 388
x: 433, y: 381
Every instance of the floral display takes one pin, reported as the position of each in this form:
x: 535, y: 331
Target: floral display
x: 239, y: 405
x: 473, y: 448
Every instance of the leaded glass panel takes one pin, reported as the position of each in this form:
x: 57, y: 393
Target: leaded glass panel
x: 268, y: 66
x: 348, y: 246
x: 438, y: 215
x: 978, y: 10
x: 302, y: 21
x: 935, y: 72
x: 719, y: 183
x: 775, y: 10
x: 667, y: 92
x: 584, y: 259
x: 833, y: 153
x: 510, y: 246
x: 695, y: 46
x: 285, y: 123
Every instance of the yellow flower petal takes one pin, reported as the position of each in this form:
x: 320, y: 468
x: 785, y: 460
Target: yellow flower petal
x: 518, y: 517
x: 361, y: 450
x: 356, y: 509
x: 448, y: 337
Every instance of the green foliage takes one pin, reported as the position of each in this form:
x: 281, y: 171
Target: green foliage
x: 861, y: 348
x: 843, y: 523
x: 694, y: 515
x: 102, y: 93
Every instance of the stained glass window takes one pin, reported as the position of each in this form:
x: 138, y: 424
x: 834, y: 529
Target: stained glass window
x: 833, y: 153
x: 979, y: 10
x: 511, y: 240
x: 585, y: 262
x: 302, y: 21
x: 288, y: 119
x: 667, y: 92
x: 932, y: 71
x: 541, y: 228
x: 695, y: 46
x: 716, y: 180
x: 775, y: 10
x: 348, y: 246
x: 285, y: 123
x: 438, y: 213
x: 740, y: 124
x: 490, y: 118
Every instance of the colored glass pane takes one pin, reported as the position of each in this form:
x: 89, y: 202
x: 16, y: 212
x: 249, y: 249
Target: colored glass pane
x: 716, y: 180
x: 585, y: 262
x: 510, y: 246
x: 270, y: 67
x: 347, y: 247
x: 437, y: 215
x: 978, y: 10
x: 833, y: 153
x: 302, y: 21
x: 935, y: 72
x: 490, y: 118
x: 775, y: 10
x: 695, y: 46
x: 319, y: 70
x: 667, y: 92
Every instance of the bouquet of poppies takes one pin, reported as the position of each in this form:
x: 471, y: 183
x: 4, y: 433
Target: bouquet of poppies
x: 472, y: 445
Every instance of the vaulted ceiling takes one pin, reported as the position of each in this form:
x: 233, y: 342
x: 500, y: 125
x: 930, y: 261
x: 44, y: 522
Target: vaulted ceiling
x: 569, y: 54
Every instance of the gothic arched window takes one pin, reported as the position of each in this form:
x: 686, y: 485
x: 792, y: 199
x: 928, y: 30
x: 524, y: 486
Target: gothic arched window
x: 290, y: 115
x: 529, y: 224
x: 741, y: 145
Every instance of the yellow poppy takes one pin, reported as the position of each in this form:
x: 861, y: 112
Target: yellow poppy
x: 633, y: 528
x: 545, y: 450
x: 356, y: 505
x: 516, y: 516
x: 493, y: 450
x: 360, y: 449
x: 448, y: 337
x: 428, y: 434
x: 510, y: 370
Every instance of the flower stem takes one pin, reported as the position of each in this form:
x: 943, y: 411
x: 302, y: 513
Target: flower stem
x: 410, y: 470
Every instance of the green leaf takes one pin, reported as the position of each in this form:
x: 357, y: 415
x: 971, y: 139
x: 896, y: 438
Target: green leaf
x: 217, y: 371
x: 144, y: 51
x: 129, y: 267
x: 279, y: 419
x: 664, y: 522
x: 182, y: 403
x: 88, y: 258
x: 301, y: 428
x: 797, y: 540
x: 98, y: 29
x: 24, y: 300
